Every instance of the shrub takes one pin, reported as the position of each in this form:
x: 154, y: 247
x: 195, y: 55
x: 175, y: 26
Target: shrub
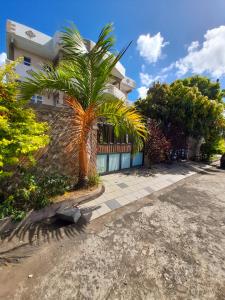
x: 94, y: 179
x: 213, y: 146
x: 33, y: 190
x: 21, y: 136
x: 157, y: 146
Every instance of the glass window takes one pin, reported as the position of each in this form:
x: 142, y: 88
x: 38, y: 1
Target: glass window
x: 39, y: 99
x: 33, y: 99
x: 26, y: 61
x: 106, y: 135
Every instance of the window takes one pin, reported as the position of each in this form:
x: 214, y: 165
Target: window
x: 55, y: 99
x: 39, y: 99
x: 106, y: 135
x: 26, y: 61
x: 33, y: 99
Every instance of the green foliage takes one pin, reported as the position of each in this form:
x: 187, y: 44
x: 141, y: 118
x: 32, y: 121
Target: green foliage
x: 185, y: 105
x: 32, y: 190
x: 156, y: 104
x: 196, y: 114
x: 206, y: 87
x: 94, y: 179
x: 7, y: 208
x: 20, y: 134
x: 83, y: 76
x: 157, y: 146
x: 215, y: 145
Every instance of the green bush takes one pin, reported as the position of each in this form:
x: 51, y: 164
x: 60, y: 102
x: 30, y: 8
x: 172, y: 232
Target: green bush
x: 21, y: 135
x: 33, y: 190
x: 7, y: 209
x: 212, y: 147
x: 94, y: 179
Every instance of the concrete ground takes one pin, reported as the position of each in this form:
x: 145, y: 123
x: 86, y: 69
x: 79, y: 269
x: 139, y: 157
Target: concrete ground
x: 126, y: 187
x: 168, y: 245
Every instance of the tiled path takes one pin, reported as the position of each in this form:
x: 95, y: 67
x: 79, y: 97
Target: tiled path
x: 127, y: 187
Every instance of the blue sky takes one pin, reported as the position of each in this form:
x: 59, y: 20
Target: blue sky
x: 171, y: 38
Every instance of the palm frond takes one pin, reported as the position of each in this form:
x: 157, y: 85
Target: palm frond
x: 125, y: 119
x: 72, y: 43
x: 92, y: 69
x: 49, y: 79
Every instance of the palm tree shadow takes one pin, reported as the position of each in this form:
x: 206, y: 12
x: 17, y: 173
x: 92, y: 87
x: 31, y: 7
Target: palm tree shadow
x: 25, y: 240
x: 48, y: 229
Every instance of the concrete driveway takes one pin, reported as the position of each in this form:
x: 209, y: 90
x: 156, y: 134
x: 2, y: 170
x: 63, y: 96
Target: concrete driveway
x: 169, y: 245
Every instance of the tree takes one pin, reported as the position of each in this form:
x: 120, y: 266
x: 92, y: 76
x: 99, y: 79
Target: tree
x: 83, y: 76
x: 181, y: 107
x: 198, y: 116
x: 206, y: 87
x: 20, y: 134
x: 155, y: 106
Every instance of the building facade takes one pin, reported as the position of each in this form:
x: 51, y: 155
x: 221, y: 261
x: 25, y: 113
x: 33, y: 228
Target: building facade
x: 37, y: 48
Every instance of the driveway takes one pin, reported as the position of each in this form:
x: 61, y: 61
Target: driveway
x: 168, y: 245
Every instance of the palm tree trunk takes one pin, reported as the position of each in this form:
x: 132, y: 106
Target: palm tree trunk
x: 83, y: 163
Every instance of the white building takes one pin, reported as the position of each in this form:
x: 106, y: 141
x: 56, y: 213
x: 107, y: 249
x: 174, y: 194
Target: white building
x: 37, y: 48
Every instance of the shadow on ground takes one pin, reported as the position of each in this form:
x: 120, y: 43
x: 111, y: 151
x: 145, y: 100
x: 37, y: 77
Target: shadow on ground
x: 175, y: 168
x: 21, y: 242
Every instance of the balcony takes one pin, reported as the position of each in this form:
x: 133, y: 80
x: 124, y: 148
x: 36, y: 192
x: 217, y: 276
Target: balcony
x: 128, y: 84
x: 113, y: 90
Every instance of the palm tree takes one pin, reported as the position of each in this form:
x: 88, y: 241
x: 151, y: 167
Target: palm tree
x: 83, y: 76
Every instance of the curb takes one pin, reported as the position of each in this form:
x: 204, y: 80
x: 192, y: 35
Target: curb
x: 34, y: 216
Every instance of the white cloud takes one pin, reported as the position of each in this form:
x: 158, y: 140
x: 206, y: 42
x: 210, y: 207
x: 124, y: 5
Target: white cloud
x: 3, y: 57
x: 142, y: 92
x: 206, y: 58
x: 168, y: 69
x: 150, y: 47
x: 193, y: 46
x: 147, y: 79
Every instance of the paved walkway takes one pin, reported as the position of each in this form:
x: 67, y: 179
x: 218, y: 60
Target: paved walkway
x: 126, y: 187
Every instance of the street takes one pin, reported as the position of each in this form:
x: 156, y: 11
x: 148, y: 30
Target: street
x: 169, y: 245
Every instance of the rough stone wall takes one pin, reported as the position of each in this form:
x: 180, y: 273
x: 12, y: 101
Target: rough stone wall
x: 61, y: 155
x: 194, y: 146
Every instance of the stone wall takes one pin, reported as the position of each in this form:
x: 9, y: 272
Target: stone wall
x: 61, y: 155
x: 194, y: 146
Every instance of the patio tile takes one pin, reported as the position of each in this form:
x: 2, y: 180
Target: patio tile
x: 98, y: 200
x: 122, y: 185
x: 115, y: 194
x: 95, y: 214
x: 134, y: 188
x: 143, y: 192
x: 132, y: 197
x: 123, y: 200
x: 104, y: 209
x: 149, y: 190
x: 139, y: 194
x: 113, y: 204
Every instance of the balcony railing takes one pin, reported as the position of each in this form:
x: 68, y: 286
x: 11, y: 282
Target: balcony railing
x: 129, y: 82
x: 111, y: 89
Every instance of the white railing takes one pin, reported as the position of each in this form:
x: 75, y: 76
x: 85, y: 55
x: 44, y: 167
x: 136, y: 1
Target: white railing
x: 113, y: 90
x: 128, y: 81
